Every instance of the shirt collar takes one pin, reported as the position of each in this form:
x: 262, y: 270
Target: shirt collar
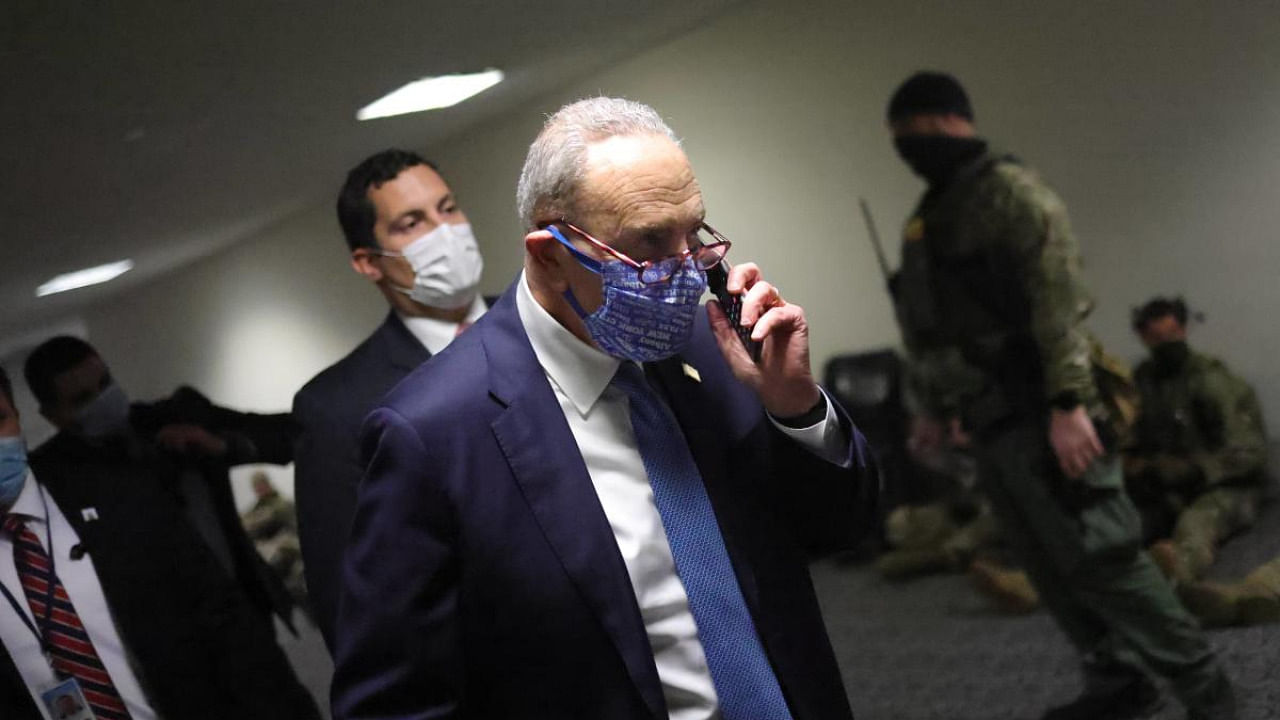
x: 29, y: 504
x: 435, y: 335
x: 581, y: 371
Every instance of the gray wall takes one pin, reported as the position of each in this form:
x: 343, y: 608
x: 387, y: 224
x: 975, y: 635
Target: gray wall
x: 1154, y: 120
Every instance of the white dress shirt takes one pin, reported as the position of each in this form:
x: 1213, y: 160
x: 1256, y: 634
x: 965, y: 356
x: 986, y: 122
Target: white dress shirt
x: 81, y: 582
x: 600, y: 420
x: 435, y: 335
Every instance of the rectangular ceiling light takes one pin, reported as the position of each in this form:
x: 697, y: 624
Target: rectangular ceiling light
x: 430, y: 93
x: 84, y: 278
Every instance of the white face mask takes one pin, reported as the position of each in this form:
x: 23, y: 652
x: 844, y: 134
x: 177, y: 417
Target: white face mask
x: 446, y: 266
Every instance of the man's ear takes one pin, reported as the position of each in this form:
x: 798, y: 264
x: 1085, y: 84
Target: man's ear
x: 544, y: 252
x: 364, y: 262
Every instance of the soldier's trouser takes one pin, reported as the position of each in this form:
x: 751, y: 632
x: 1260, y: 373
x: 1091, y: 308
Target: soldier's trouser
x: 1213, y: 517
x: 1086, y: 562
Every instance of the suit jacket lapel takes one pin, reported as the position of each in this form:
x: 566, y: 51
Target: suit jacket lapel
x: 542, y: 454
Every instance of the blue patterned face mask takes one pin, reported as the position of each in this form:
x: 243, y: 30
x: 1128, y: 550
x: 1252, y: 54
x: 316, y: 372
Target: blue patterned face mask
x: 13, y: 469
x: 639, y: 321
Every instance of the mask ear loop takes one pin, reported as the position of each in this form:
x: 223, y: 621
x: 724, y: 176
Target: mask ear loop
x: 584, y: 260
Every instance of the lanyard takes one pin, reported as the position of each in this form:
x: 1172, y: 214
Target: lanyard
x: 50, y: 579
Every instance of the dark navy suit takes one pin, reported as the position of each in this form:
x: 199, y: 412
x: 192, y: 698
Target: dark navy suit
x: 483, y: 580
x: 329, y: 409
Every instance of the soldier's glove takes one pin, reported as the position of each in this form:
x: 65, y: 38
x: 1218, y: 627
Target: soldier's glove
x: 1176, y: 472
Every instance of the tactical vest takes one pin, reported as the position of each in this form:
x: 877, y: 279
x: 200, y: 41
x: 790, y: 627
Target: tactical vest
x: 957, y: 288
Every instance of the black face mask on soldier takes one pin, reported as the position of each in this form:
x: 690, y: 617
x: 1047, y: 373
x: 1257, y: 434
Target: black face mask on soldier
x: 936, y: 158
x: 1169, y: 357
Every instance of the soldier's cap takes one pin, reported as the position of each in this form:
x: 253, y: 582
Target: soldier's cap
x: 929, y: 93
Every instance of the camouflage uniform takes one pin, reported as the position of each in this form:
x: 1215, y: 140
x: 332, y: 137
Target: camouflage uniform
x: 272, y: 523
x: 945, y: 535
x: 1197, y: 465
x: 991, y: 303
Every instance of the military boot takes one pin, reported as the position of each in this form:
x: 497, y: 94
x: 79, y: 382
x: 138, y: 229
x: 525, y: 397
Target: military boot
x: 1215, y: 604
x: 1134, y: 700
x: 1010, y: 590
x: 1260, y: 604
x: 1252, y: 601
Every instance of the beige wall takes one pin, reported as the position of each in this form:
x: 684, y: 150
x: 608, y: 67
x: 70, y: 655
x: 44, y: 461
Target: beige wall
x: 1153, y: 120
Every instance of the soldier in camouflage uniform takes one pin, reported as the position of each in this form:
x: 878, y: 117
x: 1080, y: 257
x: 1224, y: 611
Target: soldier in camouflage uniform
x: 1198, y: 462
x: 991, y: 307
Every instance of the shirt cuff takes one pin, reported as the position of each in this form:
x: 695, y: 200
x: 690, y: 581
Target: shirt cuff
x: 825, y: 438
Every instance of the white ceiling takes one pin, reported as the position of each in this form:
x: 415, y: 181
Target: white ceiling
x: 162, y: 131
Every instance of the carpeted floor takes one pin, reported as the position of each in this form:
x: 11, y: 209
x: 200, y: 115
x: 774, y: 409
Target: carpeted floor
x: 931, y: 649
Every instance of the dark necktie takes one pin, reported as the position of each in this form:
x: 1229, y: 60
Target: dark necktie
x: 69, y: 647
x: 745, y: 683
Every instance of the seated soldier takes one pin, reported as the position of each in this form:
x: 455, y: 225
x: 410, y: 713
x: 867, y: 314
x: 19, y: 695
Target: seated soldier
x: 272, y: 524
x: 956, y: 533
x: 1196, y: 468
x: 944, y: 535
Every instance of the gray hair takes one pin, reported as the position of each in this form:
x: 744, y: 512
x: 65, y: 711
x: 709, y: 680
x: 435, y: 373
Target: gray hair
x: 556, y: 161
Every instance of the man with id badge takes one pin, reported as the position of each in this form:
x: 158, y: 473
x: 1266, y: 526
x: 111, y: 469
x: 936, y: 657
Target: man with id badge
x: 51, y: 648
x: 110, y: 609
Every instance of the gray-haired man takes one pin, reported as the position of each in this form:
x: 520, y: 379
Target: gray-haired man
x: 595, y: 504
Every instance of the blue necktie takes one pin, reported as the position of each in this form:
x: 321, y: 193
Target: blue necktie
x: 743, y: 678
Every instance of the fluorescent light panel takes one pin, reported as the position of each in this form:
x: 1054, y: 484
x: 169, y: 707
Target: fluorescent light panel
x: 430, y: 93
x: 84, y: 278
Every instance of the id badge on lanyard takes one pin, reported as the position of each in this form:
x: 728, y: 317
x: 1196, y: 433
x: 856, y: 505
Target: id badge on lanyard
x: 65, y: 701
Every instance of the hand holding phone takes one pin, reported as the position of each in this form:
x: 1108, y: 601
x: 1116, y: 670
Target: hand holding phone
x: 718, y: 282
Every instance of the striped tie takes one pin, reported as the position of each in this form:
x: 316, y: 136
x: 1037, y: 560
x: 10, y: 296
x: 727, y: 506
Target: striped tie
x: 70, y: 649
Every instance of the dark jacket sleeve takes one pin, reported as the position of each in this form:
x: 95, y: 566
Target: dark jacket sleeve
x: 400, y: 581
x: 828, y: 507
x: 251, y: 437
x: 252, y: 677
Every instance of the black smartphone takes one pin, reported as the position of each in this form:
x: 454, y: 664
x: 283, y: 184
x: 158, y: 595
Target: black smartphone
x: 718, y: 282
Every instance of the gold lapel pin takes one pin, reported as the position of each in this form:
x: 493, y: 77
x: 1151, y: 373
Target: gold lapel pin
x: 692, y: 373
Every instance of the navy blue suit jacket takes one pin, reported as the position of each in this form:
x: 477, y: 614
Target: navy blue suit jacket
x: 482, y: 579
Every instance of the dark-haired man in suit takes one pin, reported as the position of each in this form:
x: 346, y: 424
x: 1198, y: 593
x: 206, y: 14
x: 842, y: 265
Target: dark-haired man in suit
x: 184, y: 439
x: 409, y: 238
x: 142, y: 622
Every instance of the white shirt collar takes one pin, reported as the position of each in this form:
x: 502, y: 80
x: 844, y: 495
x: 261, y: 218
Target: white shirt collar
x: 580, y: 371
x: 435, y: 335
x: 29, y: 503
